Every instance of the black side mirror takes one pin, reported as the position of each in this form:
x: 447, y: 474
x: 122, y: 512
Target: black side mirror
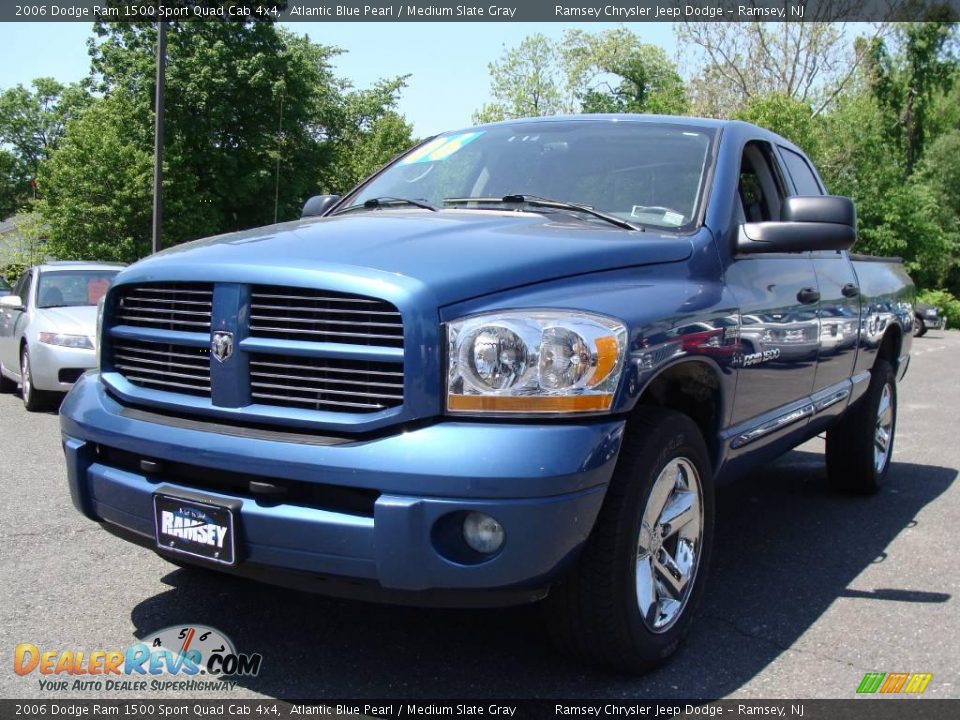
x: 318, y: 205
x: 818, y: 222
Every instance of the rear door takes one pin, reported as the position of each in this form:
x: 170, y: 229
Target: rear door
x: 839, y: 307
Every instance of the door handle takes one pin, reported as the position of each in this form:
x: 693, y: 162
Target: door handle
x: 850, y: 290
x: 808, y: 296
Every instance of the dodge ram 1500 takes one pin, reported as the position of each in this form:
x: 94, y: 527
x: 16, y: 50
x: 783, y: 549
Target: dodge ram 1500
x: 510, y: 366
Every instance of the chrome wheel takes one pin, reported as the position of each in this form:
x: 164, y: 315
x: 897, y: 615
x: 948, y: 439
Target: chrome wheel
x: 883, y: 432
x: 26, y: 384
x: 669, y: 544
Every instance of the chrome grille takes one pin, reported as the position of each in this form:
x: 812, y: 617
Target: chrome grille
x: 162, y: 366
x: 168, y: 306
x: 323, y: 316
x: 325, y: 383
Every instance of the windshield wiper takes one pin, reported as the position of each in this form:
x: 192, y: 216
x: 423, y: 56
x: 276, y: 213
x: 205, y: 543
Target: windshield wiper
x: 536, y: 201
x: 381, y: 202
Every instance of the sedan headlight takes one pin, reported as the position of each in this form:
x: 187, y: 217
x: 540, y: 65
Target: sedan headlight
x: 534, y: 362
x: 100, y: 303
x: 70, y: 341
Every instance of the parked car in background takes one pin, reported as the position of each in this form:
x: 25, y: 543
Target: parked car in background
x: 926, y: 317
x: 48, y: 328
x: 4, y: 287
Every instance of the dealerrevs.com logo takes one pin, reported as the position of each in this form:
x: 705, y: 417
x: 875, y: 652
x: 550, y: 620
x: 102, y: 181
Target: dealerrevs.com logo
x: 181, y: 657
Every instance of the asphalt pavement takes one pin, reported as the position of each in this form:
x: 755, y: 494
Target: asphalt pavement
x: 808, y: 590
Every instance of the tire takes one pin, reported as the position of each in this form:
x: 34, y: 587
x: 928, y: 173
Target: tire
x: 919, y: 327
x: 594, y: 612
x: 858, y: 453
x: 33, y: 400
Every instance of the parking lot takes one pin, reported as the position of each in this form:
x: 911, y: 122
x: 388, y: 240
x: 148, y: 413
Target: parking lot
x: 808, y: 590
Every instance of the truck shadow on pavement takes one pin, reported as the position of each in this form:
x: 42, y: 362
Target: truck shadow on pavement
x: 787, y: 547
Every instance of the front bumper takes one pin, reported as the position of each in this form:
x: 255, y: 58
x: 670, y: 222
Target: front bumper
x: 46, y: 362
x: 543, y: 483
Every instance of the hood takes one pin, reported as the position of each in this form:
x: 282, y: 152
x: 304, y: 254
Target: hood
x: 69, y: 320
x: 454, y: 254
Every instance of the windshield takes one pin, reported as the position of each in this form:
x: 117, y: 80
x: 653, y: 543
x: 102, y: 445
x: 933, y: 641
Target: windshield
x: 644, y: 173
x: 73, y: 288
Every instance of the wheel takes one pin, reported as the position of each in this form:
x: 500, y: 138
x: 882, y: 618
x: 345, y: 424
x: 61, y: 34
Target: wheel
x: 919, y: 327
x: 631, y: 596
x: 860, y: 446
x: 33, y: 400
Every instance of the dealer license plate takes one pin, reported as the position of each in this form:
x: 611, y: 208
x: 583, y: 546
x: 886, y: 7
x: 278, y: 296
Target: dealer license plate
x: 200, y: 529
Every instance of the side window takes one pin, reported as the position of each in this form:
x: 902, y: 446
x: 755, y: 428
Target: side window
x: 23, y: 287
x: 760, y: 187
x: 801, y: 174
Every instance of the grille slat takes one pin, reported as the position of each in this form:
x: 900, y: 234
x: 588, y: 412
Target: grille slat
x: 184, y: 307
x: 326, y: 383
x: 323, y: 316
x: 162, y: 366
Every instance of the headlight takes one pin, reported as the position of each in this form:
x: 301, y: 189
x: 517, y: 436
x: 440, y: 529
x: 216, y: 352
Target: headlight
x: 70, y: 341
x: 100, y: 303
x: 533, y: 362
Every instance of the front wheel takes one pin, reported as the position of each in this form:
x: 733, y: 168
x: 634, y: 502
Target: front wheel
x: 860, y: 446
x: 33, y: 400
x: 631, y: 596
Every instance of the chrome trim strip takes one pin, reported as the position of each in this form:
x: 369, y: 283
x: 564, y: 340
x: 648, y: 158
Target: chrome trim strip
x: 832, y: 399
x: 773, y: 425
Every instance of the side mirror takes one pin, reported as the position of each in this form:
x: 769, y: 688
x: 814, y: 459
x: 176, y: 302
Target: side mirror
x: 11, y: 302
x: 818, y: 222
x: 318, y: 205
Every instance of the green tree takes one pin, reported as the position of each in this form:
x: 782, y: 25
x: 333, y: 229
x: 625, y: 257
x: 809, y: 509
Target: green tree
x: 527, y: 81
x: 613, y: 71
x: 908, y: 83
x: 32, y: 121
x: 610, y: 71
x: 256, y: 121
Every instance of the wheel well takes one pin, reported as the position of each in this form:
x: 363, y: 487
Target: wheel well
x: 693, y: 389
x: 890, y: 346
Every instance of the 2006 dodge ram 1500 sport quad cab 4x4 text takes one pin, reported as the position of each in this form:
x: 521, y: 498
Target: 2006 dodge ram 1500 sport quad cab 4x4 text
x: 510, y: 366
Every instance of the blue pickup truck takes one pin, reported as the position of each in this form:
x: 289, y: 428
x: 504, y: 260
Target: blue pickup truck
x: 510, y: 366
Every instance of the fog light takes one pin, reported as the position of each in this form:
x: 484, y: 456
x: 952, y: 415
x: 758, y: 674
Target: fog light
x: 483, y: 533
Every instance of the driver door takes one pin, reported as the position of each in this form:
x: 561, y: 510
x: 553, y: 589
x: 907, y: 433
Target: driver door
x: 9, y: 321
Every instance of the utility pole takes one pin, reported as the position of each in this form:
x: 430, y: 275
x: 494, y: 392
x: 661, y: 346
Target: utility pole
x: 158, y: 135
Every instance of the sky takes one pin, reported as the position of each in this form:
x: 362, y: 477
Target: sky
x: 447, y: 61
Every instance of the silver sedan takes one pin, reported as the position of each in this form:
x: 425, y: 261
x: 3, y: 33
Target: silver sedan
x: 48, y: 329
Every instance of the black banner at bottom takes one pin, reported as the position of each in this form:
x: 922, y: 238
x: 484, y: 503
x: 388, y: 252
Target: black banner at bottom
x: 865, y: 708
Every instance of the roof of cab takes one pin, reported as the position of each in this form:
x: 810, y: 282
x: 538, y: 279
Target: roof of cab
x: 737, y: 127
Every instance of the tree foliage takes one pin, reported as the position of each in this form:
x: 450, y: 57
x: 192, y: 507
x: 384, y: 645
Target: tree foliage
x: 32, y: 121
x: 812, y: 62
x: 256, y: 121
x: 611, y: 71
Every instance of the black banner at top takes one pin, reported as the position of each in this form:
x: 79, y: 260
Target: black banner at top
x: 624, y: 11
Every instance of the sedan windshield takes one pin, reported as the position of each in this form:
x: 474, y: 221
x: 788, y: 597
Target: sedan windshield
x: 647, y: 174
x: 73, y: 288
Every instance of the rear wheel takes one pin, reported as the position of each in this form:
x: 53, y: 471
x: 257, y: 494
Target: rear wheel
x: 860, y: 447
x: 631, y: 596
x: 919, y: 327
x: 33, y: 400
